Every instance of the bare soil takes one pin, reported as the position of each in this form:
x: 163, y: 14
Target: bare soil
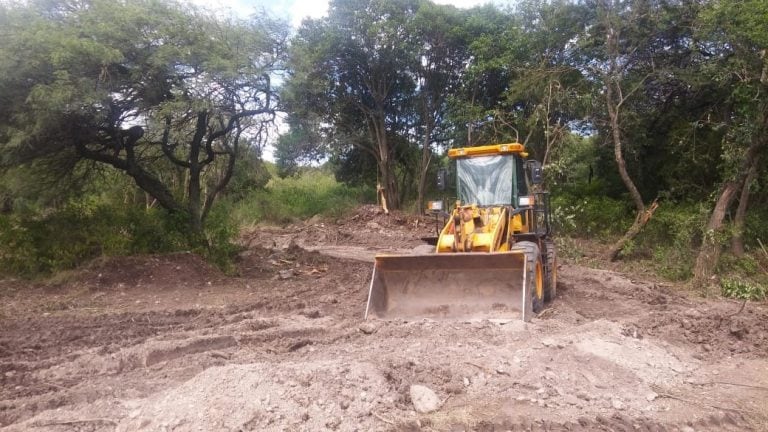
x: 168, y: 343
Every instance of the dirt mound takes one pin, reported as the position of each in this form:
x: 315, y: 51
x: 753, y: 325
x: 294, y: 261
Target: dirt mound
x: 717, y: 330
x: 373, y: 213
x: 367, y: 226
x: 184, y: 268
x: 285, y: 263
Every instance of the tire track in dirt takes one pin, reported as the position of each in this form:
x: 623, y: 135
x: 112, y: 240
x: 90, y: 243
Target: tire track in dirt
x: 288, y: 351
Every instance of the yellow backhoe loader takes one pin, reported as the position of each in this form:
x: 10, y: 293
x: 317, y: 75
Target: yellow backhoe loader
x: 494, y: 256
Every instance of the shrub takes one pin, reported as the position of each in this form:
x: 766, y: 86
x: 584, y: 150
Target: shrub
x: 220, y: 231
x: 294, y: 198
x: 39, y: 243
x: 590, y: 215
x: 742, y: 289
x: 671, y: 238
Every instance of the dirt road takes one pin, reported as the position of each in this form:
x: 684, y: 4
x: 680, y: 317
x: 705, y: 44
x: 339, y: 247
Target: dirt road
x: 170, y: 344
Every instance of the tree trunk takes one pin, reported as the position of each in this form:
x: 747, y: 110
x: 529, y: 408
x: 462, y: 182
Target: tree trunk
x: 737, y: 241
x: 614, y: 99
x: 643, y: 216
x: 195, y: 202
x: 143, y: 178
x: 641, y: 219
x: 386, y: 165
x: 391, y: 188
x: 709, y: 253
x: 426, y: 157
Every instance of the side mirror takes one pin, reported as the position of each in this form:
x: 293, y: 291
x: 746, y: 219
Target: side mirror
x: 534, y: 167
x: 442, y: 175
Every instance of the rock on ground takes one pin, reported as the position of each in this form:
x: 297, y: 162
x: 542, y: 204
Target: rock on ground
x: 424, y: 399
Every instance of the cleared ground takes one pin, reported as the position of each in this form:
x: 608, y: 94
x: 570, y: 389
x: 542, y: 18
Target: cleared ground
x: 169, y: 344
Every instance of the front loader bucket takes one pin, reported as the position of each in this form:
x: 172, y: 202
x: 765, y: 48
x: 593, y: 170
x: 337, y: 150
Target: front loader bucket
x: 451, y: 285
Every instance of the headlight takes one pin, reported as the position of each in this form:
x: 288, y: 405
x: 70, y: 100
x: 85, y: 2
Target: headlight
x: 435, y: 205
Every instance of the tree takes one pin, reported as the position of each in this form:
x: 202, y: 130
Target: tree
x: 475, y: 106
x: 302, y: 144
x: 622, y: 63
x: 442, y: 54
x: 144, y: 87
x: 736, y: 45
x: 548, y: 92
x: 352, y: 70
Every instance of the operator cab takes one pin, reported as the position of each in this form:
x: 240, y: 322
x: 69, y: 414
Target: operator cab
x: 491, y: 175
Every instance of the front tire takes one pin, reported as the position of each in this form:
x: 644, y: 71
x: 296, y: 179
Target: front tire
x: 535, y: 277
x: 550, y: 271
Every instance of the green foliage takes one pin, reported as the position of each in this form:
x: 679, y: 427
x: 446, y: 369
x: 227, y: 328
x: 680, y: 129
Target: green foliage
x: 220, y: 233
x: 742, y: 289
x: 589, y: 215
x: 314, y: 192
x: 568, y: 248
x: 42, y: 243
x: 160, y: 90
x: 671, y: 236
x: 250, y: 173
x: 628, y: 248
x: 746, y: 266
x: 756, y: 227
x: 573, y: 164
x: 371, y: 84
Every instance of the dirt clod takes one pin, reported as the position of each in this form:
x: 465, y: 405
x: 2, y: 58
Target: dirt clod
x: 368, y: 327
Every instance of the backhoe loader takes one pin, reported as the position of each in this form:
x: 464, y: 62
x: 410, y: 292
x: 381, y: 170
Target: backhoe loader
x: 494, y: 256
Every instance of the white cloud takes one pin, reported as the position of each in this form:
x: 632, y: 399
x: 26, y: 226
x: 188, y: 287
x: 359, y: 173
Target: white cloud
x: 296, y: 10
x: 300, y: 9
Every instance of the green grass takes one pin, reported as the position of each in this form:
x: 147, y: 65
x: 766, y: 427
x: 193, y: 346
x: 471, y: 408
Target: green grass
x: 314, y: 192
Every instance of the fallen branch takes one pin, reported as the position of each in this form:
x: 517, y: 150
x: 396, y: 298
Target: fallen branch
x: 545, y: 312
x: 744, y: 303
x: 731, y: 384
x: 71, y: 422
x: 660, y: 393
x: 55, y: 385
x: 479, y: 367
x: 763, y: 248
x: 385, y: 420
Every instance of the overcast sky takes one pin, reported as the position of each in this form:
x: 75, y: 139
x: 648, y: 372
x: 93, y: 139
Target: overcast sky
x: 296, y: 10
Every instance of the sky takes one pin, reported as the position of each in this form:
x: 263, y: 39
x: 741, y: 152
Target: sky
x: 296, y: 10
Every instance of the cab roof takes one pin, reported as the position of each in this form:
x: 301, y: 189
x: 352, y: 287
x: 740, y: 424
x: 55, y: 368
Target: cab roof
x: 487, y: 150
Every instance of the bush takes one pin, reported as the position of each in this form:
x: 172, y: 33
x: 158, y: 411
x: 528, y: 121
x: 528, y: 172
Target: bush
x: 33, y: 244
x: 742, y: 289
x: 589, y: 215
x: 220, y: 231
x: 671, y: 238
x: 35, y: 241
x: 756, y: 227
x: 294, y: 198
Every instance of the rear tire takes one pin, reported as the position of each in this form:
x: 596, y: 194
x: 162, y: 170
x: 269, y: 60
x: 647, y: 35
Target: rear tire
x: 550, y: 271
